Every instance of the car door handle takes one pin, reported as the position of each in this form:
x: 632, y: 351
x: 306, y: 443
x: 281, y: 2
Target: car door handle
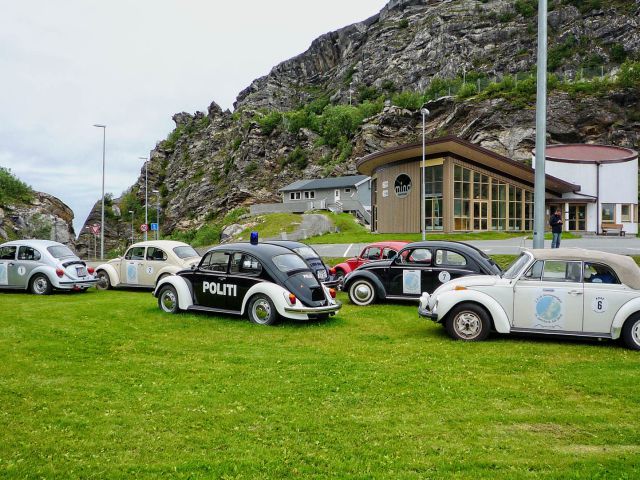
x: 575, y: 292
x: 222, y: 278
x: 11, y: 264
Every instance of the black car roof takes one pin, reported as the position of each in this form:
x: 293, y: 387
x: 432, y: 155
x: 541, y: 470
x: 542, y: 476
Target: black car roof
x: 261, y: 251
x: 289, y: 244
x: 464, y: 247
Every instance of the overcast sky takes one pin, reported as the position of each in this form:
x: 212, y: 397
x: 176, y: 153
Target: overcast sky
x: 66, y: 65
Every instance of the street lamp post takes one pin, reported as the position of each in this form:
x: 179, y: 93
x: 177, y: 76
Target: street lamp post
x: 541, y: 129
x: 425, y: 114
x: 131, y: 212
x: 104, y: 141
x: 157, y: 192
x: 146, y: 194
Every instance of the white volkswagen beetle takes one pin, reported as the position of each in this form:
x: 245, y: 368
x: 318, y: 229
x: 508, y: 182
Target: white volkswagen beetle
x: 564, y: 291
x: 41, y: 266
x: 145, y: 263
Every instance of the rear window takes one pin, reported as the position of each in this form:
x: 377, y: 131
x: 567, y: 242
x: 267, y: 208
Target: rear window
x: 304, y: 280
x: 185, y: 252
x: 60, y: 251
x: 289, y: 262
x: 306, y: 252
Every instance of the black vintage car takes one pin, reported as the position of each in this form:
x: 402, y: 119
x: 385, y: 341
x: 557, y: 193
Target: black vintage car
x: 309, y: 255
x: 418, y: 267
x: 263, y: 281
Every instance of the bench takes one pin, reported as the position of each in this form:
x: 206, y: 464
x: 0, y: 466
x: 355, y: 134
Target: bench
x: 612, y: 227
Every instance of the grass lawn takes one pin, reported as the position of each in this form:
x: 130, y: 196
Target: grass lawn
x: 104, y: 385
x: 351, y: 231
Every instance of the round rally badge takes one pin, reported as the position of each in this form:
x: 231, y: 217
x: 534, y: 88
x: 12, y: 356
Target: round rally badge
x: 599, y: 305
x: 444, y: 276
x: 22, y: 271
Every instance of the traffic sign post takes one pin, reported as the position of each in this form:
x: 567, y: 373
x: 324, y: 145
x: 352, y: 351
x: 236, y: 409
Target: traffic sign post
x: 144, y: 227
x: 154, y: 227
x: 95, y: 229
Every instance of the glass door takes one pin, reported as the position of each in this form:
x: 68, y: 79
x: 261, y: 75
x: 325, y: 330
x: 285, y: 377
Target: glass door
x: 577, y: 218
x: 480, y: 214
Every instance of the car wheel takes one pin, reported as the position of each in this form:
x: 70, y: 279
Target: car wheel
x: 631, y: 332
x: 104, y: 282
x: 168, y: 299
x: 40, y: 285
x: 468, y: 322
x: 262, y: 311
x: 362, y: 292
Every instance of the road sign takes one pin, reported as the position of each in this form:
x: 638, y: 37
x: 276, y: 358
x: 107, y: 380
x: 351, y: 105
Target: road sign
x: 95, y: 229
x: 144, y: 227
x: 154, y: 227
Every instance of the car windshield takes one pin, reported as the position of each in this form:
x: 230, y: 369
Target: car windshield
x: 306, y: 252
x: 60, y: 251
x: 516, y: 266
x: 289, y: 262
x: 185, y: 252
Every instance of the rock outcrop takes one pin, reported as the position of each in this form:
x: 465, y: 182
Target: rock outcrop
x: 216, y: 161
x: 43, y: 217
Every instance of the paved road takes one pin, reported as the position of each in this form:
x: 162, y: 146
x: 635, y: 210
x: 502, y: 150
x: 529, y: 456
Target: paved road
x: 511, y: 246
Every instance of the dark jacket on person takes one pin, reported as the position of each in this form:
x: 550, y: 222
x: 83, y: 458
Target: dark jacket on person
x: 556, y: 223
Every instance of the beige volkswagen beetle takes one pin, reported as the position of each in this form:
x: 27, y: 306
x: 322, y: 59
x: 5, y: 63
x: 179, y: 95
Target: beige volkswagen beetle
x: 145, y: 263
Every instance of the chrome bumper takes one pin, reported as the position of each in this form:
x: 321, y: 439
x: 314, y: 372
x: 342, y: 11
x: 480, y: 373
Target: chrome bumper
x: 426, y: 313
x: 79, y: 283
x: 314, y: 310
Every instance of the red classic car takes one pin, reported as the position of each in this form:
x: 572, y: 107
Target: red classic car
x: 373, y: 251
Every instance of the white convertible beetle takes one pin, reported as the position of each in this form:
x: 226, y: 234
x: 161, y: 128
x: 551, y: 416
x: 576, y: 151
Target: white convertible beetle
x: 145, y: 263
x: 564, y: 291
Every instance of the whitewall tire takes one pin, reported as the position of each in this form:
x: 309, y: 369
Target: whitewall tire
x: 362, y: 292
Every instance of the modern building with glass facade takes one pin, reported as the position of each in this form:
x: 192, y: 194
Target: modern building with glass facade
x: 467, y: 188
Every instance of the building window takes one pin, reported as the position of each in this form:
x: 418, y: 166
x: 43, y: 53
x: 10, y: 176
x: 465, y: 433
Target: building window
x: 528, y: 210
x: 347, y: 190
x: 433, y: 198
x: 515, y: 208
x: 498, y: 205
x: 461, y: 198
x: 309, y: 195
x: 609, y: 212
x: 625, y: 212
x: 294, y: 195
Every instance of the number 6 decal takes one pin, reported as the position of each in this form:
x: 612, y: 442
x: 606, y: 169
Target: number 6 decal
x: 599, y: 305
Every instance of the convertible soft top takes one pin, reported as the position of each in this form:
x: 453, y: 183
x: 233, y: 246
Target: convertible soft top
x: 625, y: 267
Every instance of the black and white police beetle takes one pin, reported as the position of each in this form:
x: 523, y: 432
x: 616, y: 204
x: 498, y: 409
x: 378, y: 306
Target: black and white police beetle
x: 263, y: 281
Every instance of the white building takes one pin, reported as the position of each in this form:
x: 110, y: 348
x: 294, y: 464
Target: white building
x: 608, y: 180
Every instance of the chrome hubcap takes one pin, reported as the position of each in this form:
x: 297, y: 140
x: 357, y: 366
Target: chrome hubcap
x: 102, y: 280
x: 635, y: 332
x: 362, y: 292
x: 467, y: 324
x: 261, y: 311
x: 40, y: 285
x: 168, y: 301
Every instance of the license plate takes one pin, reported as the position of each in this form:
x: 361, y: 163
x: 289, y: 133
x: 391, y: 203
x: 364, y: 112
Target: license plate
x: 322, y: 274
x: 81, y: 271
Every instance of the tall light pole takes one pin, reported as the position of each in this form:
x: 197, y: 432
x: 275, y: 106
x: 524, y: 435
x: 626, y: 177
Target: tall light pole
x: 104, y: 142
x: 425, y: 114
x: 541, y: 128
x: 131, y: 212
x: 146, y: 194
x: 157, y: 192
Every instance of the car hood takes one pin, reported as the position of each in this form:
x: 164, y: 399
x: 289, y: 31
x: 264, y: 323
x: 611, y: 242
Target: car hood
x: 306, y: 288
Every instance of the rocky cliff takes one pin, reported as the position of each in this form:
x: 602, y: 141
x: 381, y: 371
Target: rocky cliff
x: 359, y: 89
x: 42, y: 216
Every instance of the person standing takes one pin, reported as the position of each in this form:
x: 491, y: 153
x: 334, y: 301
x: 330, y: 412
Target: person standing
x: 556, y: 228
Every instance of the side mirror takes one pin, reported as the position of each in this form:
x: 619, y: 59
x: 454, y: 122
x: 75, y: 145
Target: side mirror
x: 194, y: 266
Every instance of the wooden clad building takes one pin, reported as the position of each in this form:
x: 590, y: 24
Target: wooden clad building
x: 467, y: 188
